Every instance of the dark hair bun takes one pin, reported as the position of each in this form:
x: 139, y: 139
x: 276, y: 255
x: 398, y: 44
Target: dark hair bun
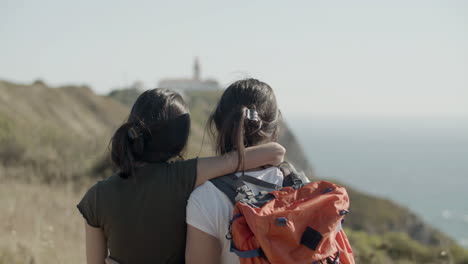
x: 156, y: 131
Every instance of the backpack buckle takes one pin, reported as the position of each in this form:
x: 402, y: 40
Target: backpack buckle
x: 336, y: 260
x: 297, y: 183
x: 244, y: 189
x: 281, y: 221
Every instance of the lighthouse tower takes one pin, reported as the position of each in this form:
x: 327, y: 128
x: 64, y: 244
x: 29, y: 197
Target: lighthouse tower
x: 194, y: 83
x: 196, y: 69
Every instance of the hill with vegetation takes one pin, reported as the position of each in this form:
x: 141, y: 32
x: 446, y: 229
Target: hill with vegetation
x: 53, y: 145
x: 52, y: 134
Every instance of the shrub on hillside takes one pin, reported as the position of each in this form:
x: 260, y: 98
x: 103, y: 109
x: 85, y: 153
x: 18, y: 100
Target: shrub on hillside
x: 399, y: 248
x: 11, y: 151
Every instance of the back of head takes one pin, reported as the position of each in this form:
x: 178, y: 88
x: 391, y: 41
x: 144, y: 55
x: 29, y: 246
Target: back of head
x: 246, y: 115
x: 156, y: 131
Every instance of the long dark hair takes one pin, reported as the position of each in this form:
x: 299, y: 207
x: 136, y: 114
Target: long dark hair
x: 230, y: 125
x: 157, y: 130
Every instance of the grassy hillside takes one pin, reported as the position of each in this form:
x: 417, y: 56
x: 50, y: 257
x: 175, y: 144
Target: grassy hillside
x: 51, y: 134
x: 53, y: 144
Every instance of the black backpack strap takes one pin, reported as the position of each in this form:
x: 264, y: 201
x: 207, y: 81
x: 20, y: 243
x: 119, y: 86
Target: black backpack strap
x: 234, y: 188
x: 291, y: 177
x: 227, y: 184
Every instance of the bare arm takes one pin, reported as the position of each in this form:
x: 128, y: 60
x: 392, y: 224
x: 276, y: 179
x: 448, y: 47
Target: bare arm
x: 96, y: 245
x: 267, y: 154
x: 201, y: 247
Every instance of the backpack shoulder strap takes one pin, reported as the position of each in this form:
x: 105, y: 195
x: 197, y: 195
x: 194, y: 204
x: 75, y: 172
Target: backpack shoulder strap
x: 228, y: 185
x: 291, y: 177
x: 234, y: 188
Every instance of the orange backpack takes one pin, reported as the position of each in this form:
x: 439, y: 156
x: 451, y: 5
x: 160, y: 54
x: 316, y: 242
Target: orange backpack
x: 296, y: 223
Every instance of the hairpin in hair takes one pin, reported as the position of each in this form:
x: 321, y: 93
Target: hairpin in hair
x: 134, y: 133
x: 251, y: 114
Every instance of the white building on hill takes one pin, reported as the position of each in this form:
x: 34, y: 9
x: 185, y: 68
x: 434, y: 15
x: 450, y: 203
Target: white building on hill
x: 194, y: 83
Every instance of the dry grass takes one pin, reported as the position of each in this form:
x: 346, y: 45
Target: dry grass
x: 40, y: 224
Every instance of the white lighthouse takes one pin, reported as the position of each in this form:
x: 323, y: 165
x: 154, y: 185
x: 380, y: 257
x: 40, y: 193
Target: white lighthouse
x: 194, y: 83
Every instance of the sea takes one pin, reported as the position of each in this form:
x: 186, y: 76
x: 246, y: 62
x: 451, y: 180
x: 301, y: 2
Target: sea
x: 420, y: 163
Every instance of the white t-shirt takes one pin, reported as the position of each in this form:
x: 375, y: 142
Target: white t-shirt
x: 210, y: 210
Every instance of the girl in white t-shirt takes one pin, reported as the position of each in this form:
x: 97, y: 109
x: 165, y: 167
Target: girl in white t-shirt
x: 247, y: 115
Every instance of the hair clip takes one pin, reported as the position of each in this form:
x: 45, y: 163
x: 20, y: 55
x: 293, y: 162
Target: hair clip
x: 134, y: 133
x: 251, y: 114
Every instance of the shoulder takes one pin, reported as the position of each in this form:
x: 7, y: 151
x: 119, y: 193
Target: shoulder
x: 205, y: 192
x: 207, y: 197
x: 165, y: 167
x: 181, y: 169
x: 182, y: 164
x: 172, y: 166
x: 271, y: 174
x: 98, y: 190
x: 274, y: 172
x: 88, y: 206
x: 107, y: 184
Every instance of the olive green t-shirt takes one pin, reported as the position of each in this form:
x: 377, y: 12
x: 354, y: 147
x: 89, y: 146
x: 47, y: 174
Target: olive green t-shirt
x: 143, y: 217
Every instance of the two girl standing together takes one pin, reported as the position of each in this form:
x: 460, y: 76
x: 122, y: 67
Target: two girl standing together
x: 147, y: 212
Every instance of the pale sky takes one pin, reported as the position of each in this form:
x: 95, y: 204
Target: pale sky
x: 322, y: 58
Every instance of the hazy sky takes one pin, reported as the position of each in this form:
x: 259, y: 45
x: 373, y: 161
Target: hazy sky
x: 323, y: 58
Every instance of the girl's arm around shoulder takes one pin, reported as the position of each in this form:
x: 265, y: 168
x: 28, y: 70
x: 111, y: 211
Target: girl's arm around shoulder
x: 267, y: 154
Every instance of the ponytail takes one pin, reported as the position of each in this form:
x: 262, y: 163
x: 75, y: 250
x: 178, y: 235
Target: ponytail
x: 239, y: 141
x: 127, y: 147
